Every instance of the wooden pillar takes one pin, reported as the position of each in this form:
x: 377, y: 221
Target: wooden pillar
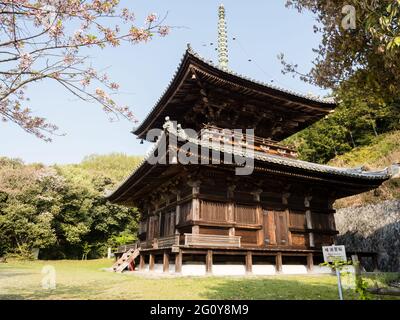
x: 159, y: 225
x: 249, y: 262
x: 259, y: 217
x: 196, y: 214
x: 285, y: 202
x: 209, y: 261
x: 271, y: 228
x: 151, y: 262
x: 141, y: 262
x: 178, y: 210
x: 178, y: 262
x: 307, y: 204
x: 278, y: 262
x: 166, y: 261
x: 230, y: 213
x: 310, y: 262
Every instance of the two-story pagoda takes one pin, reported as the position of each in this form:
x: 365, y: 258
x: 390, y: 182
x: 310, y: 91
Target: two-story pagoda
x: 199, y: 219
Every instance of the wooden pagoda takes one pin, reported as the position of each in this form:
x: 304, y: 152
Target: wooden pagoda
x: 207, y: 219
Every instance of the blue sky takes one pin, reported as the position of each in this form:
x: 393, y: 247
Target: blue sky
x: 263, y: 29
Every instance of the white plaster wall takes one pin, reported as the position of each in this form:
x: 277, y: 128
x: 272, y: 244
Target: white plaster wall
x: 158, y: 268
x: 240, y: 270
x: 321, y: 270
x: 264, y: 270
x: 228, y: 270
x: 294, y: 269
x: 193, y: 269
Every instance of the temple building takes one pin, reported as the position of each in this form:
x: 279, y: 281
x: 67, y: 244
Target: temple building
x: 202, y: 217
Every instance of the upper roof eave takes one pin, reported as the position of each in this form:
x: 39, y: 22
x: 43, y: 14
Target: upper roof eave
x: 191, y: 58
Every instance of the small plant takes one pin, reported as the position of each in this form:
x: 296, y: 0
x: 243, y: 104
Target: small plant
x: 361, y: 286
x: 336, y: 264
x: 361, y: 289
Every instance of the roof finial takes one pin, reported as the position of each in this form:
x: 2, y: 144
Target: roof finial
x: 222, y: 39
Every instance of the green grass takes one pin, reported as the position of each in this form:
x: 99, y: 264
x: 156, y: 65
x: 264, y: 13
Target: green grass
x: 86, y: 280
x: 383, y: 151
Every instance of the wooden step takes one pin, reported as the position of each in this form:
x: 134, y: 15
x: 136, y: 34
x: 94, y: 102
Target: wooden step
x: 125, y: 260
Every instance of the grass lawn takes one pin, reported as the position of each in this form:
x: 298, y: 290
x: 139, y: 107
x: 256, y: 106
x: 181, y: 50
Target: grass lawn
x: 86, y: 280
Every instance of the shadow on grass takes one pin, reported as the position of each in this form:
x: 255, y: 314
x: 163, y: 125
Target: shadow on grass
x: 273, y: 289
x: 65, y: 292
x: 7, y: 275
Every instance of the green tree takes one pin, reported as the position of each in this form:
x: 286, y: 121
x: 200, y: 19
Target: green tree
x: 27, y: 207
x: 62, y: 209
x: 364, y: 59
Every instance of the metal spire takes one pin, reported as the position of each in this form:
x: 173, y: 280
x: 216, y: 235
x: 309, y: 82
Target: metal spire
x: 222, y: 39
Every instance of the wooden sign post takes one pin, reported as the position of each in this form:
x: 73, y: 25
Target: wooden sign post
x: 334, y: 254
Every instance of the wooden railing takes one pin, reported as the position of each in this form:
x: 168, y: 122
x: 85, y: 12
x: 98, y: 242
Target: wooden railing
x: 189, y: 240
x: 146, y: 244
x: 125, y: 248
x: 160, y: 243
x: 166, y: 242
x: 212, y: 240
x: 259, y: 144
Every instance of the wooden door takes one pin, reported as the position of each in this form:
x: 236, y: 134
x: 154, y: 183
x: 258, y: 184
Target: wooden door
x: 269, y: 228
x: 281, y: 228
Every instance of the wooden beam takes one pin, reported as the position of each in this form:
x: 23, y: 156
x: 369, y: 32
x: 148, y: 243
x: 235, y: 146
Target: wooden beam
x: 141, y: 262
x: 166, y: 261
x: 310, y: 262
x: 278, y: 262
x: 151, y: 262
x: 209, y: 261
x: 249, y: 262
x: 178, y: 262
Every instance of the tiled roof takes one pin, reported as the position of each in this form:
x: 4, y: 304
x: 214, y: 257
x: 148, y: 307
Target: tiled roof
x: 191, y: 53
x: 265, y: 84
x: 170, y: 128
x: 280, y: 160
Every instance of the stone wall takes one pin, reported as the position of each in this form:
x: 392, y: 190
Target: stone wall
x: 372, y: 228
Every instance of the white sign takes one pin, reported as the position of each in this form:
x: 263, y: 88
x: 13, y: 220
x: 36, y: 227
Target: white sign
x: 334, y: 253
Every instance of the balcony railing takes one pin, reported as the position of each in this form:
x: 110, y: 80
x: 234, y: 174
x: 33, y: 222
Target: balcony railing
x: 189, y: 239
x: 212, y: 240
x: 146, y: 244
x: 258, y: 144
x: 160, y: 243
x: 125, y: 248
x: 166, y: 242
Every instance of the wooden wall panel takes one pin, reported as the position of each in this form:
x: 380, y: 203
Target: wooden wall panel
x: 214, y: 231
x: 297, y: 219
x: 323, y: 240
x: 185, y: 212
x: 248, y: 236
x: 167, y: 224
x: 213, y: 211
x: 245, y: 214
x: 281, y: 224
x: 299, y: 239
x: 321, y: 221
x: 153, y: 228
x: 269, y: 228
